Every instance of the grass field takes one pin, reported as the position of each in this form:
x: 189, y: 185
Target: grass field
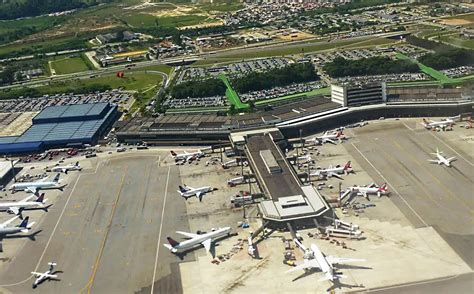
x: 322, y: 91
x: 66, y: 65
x: 457, y: 41
x: 308, y: 48
x: 146, y: 20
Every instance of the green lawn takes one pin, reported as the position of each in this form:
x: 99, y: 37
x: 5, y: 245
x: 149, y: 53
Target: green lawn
x: 232, y: 95
x: 310, y: 47
x: 66, y: 65
x: 147, y: 20
x: 437, y: 75
x: 322, y: 91
x: 162, y: 68
x: 457, y: 41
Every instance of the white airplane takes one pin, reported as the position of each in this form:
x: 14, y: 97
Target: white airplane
x: 23, y: 227
x: 196, y: 240
x: 66, y: 168
x: 34, y: 187
x: 47, y: 275
x: 333, y: 171
x: 17, y: 207
x: 187, y: 156
x: 443, y: 124
x: 367, y: 190
x: 441, y: 159
x: 328, y: 137
x: 314, y: 258
x: 187, y: 191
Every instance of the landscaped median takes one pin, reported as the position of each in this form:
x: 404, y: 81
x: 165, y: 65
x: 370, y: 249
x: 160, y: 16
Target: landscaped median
x: 232, y: 95
x: 437, y: 75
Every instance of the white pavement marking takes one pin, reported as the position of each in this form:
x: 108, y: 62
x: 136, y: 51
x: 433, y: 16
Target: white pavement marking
x: 159, y: 234
x: 393, y: 188
x: 54, y: 230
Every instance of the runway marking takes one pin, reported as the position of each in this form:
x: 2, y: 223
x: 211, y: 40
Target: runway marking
x: 54, y: 230
x: 393, y: 188
x: 104, y: 241
x: 414, y: 283
x: 159, y: 234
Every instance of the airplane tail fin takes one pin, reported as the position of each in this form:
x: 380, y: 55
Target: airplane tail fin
x: 173, y: 153
x: 383, y: 188
x: 77, y: 163
x: 172, y: 242
x: 181, y: 189
x: 40, y: 198
x: 339, y: 134
x: 24, y: 223
x: 56, y: 178
x: 348, y: 166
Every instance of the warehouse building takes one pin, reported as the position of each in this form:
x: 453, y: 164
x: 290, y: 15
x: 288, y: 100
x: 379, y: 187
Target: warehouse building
x: 63, y: 126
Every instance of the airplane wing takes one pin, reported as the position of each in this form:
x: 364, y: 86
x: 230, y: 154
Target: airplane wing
x: 33, y: 190
x: 432, y: 161
x: 28, y: 198
x: 207, y: 244
x: 312, y: 263
x: 15, y: 210
x: 330, y: 141
x: 339, y: 260
x: 37, y: 274
x: 451, y: 159
x: 364, y: 194
x: 332, y: 174
x: 6, y: 223
x: 199, y: 195
x: 190, y: 235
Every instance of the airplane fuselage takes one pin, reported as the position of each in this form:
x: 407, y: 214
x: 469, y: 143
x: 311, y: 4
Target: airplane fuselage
x: 193, y: 192
x: 60, y: 169
x: 10, y: 230
x: 323, y: 263
x: 37, y: 185
x: 195, y: 242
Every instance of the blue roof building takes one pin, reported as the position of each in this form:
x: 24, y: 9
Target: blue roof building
x: 63, y: 126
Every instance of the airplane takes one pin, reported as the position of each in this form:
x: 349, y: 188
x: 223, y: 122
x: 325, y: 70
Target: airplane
x: 314, y: 258
x: 329, y: 137
x: 187, y: 156
x: 443, y: 124
x: 23, y: 227
x: 17, y: 207
x: 47, y: 275
x: 366, y: 190
x: 441, y: 159
x: 66, y: 168
x: 187, y: 191
x: 196, y: 240
x: 33, y: 187
x: 333, y: 171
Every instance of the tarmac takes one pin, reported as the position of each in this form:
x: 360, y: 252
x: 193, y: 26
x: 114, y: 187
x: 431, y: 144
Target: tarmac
x: 106, y: 228
x: 397, y: 152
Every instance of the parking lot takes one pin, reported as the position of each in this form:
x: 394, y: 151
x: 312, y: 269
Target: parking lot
x: 110, y: 223
x: 26, y: 104
x: 235, y: 69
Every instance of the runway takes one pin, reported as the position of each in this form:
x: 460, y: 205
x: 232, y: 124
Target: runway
x: 428, y: 194
x: 108, y: 229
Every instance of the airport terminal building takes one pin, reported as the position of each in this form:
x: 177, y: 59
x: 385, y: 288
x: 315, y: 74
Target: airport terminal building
x: 63, y: 126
